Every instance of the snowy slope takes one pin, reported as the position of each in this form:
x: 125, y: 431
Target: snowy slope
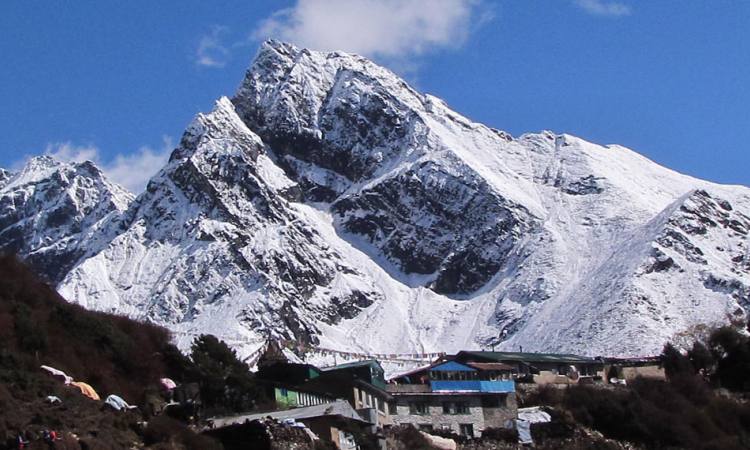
x: 329, y: 202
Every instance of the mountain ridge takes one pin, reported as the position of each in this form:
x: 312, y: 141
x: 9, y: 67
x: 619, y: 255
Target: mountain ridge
x: 331, y: 203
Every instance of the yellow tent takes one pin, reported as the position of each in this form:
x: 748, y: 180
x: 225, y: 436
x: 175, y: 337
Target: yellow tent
x: 86, y: 390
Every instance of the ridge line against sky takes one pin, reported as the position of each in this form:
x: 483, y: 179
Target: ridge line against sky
x: 517, y: 66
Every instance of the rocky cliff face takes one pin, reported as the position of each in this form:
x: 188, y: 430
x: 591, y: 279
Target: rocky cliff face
x: 353, y: 135
x: 331, y: 203
x: 215, y: 231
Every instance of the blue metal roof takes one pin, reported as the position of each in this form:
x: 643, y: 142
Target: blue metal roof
x: 500, y: 386
x: 453, y: 366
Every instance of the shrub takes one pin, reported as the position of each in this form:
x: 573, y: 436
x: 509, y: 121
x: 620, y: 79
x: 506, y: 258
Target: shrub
x: 681, y: 413
x: 674, y: 362
x: 732, y: 352
x: 547, y: 394
x: 701, y: 358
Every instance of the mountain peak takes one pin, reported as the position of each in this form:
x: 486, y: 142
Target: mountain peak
x: 221, y: 126
x: 330, y: 202
x: 39, y: 167
x: 276, y: 46
x: 43, y: 167
x: 49, y: 207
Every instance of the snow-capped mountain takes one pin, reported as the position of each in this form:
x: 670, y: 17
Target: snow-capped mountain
x: 51, y: 212
x: 330, y: 202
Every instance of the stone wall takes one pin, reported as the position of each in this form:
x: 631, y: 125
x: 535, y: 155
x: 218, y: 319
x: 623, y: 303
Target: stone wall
x: 498, y: 414
x: 653, y: 372
x: 438, y: 419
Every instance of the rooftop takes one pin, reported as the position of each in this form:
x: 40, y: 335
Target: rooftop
x: 351, y: 365
x: 528, y: 357
x: 337, y: 408
x: 490, y: 366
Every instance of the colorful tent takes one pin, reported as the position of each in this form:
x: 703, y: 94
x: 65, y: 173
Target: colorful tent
x: 117, y: 403
x: 86, y: 390
x: 57, y: 374
x: 168, y: 384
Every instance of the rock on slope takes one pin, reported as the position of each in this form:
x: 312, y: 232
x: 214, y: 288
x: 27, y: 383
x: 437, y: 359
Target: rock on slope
x: 331, y: 203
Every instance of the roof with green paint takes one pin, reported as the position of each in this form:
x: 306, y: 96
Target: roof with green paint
x: 528, y: 357
x: 352, y: 365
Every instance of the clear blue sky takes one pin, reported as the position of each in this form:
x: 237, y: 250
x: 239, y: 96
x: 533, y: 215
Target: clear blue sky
x: 670, y: 79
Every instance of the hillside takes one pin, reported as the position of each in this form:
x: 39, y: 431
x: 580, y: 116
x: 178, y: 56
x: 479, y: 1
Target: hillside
x: 113, y: 354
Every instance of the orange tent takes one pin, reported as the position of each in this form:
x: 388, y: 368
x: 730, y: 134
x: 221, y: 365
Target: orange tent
x: 86, y: 390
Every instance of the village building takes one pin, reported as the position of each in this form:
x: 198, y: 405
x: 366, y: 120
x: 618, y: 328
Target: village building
x: 447, y: 395
x: 467, y: 393
x: 368, y: 370
x: 360, y: 383
x: 289, y: 373
x: 628, y: 369
x: 284, y: 385
x: 285, y: 397
x: 541, y: 368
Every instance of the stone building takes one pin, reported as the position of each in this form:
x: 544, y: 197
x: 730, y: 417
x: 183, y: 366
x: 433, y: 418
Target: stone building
x: 628, y: 369
x: 456, y: 397
x: 541, y: 368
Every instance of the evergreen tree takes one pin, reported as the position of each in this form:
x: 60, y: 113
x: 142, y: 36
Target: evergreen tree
x: 226, y: 382
x: 702, y: 359
x: 731, y: 349
x: 675, y: 363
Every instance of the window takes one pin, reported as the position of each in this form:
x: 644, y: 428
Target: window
x: 425, y: 427
x: 420, y: 408
x: 462, y: 408
x: 467, y: 429
x: 392, y: 408
x: 445, y: 427
x: 449, y: 408
x: 381, y: 405
x: 284, y: 392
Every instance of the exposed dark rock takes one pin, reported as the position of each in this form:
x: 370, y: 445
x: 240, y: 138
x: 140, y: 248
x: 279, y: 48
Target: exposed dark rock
x: 659, y: 262
x: 738, y: 290
x: 458, y: 230
x: 584, y: 186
